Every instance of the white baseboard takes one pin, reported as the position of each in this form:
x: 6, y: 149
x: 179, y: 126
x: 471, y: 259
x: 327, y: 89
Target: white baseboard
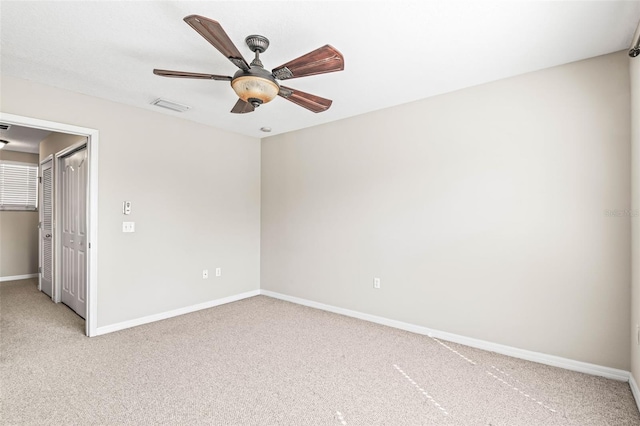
x: 18, y: 277
x: 552, y: 360
x: 174, y: 313
x: 635, y: 390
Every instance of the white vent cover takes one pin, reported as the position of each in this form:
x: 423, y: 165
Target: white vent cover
x: 173, y: 106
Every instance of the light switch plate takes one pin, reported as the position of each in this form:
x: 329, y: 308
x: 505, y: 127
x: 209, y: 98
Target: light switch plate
x: 128, y: 227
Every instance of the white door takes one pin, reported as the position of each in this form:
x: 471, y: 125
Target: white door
x: 46, y: 228
x: 73, y: 209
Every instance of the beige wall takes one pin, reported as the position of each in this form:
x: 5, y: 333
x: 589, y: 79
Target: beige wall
x: 18, y: 232
x: 56, y: 142
x: 23, y: 157
x: 482, y: 211
x: 196, y: 202
x: 635, y: 218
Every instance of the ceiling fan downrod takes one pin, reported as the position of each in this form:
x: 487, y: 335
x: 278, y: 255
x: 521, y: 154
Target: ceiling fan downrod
x: 258, y: 44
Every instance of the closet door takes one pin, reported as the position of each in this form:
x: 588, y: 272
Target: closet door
x: 46, y: 228
x: 73, y: 199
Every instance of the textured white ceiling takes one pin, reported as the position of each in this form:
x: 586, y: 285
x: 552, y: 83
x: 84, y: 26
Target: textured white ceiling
x: 395, y: 51
x: 23, y: 139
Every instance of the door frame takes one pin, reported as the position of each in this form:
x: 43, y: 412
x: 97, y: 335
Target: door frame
x: 92, y: 136
x: 41, y: 221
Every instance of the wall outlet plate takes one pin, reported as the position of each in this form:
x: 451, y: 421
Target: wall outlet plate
x: 205, y: 274
x: 376, y: 282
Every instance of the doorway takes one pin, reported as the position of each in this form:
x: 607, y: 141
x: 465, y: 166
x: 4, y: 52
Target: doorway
x: 85, y: 258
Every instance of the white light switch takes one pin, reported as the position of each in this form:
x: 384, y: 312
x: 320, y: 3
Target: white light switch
x: 128, y: 227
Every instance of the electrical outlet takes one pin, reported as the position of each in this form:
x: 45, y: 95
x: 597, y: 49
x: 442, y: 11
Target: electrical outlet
x: 218, y: 272
x: 376, y: 282
x: 205, y: 274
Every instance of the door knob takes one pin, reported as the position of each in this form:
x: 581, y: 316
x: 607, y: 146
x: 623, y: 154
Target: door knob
x: 48, y: 236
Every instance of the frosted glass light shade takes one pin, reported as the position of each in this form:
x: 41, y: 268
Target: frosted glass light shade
x: 252, y: 87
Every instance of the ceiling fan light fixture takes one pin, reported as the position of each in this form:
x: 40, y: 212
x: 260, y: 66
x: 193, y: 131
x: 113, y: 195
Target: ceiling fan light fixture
x: 250, y: 88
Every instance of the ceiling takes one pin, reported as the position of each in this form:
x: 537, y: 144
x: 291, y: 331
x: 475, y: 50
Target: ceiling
x: 23, y: 139
x: 395, y: 51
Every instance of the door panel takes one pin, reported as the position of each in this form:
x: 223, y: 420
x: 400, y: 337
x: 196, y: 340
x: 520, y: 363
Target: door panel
x: 46, y: 229
x: 74, y: 230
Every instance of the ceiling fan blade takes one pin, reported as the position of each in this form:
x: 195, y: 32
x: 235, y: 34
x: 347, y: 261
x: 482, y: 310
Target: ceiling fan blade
x: 242, y: 107
x: 184, y: 74
x: 323, y: 60
x: 212, y: 32
x: 311, y: 102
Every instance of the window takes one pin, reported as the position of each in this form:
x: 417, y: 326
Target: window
x: 18, y: 186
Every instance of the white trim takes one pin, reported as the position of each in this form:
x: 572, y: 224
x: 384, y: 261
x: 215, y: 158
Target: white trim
x: 92, y: 296
x: 18, y: 277
x: 70, y: 149
x: 174, y: 313
x: 635, y: 390
x: 92, y: 136
x: 555, y: 361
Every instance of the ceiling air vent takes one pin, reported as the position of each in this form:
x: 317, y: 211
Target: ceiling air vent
x: 4, y: 126
x: 174, y: 106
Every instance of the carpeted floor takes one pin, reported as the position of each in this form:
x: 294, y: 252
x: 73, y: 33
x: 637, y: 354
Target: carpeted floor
x: 262, y: 361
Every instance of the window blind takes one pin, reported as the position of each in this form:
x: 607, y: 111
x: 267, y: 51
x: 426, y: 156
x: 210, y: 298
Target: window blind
x: 18, y: 186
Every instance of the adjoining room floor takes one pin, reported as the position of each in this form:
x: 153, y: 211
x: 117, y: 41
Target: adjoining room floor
x: 262, y: 361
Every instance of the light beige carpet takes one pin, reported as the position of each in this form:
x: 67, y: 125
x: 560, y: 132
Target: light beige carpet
x: 263, y: 361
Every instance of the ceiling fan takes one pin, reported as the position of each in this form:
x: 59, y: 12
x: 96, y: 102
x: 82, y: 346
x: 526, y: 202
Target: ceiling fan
x: 252, y: 83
